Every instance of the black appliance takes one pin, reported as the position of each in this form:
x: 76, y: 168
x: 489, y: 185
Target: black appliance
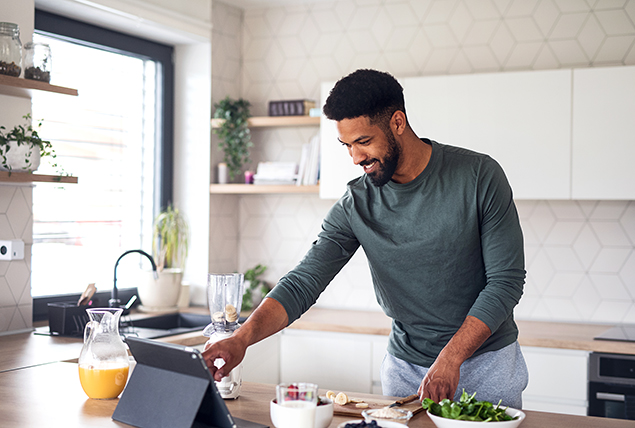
x: 611, y: 386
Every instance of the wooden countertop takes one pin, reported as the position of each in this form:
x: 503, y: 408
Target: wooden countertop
x: 26, y: 349
x: 531, y: 333
x: 51, y: 396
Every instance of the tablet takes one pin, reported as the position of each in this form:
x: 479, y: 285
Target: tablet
x: 171, y: 386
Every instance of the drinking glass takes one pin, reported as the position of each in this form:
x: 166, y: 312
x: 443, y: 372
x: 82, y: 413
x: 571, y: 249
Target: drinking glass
x: 296, y: 405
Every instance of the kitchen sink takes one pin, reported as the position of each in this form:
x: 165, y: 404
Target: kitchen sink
x: 163, y: 325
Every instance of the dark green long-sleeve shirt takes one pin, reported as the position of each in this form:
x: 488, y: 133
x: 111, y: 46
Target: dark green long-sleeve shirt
x: 446, y: 245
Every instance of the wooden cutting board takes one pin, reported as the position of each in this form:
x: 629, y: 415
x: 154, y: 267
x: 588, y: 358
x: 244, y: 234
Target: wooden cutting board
x: 354, y: 412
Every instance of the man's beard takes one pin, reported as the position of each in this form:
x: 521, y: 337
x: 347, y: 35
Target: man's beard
x: 388, y: 166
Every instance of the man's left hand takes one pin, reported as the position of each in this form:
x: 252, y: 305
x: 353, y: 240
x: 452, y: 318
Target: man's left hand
x: 443, y: 376
x: 440, y: 382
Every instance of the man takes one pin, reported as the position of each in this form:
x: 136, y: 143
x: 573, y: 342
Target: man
x: 444, y: 245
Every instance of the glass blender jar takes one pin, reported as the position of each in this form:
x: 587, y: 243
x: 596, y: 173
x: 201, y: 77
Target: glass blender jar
x: 225, y: 294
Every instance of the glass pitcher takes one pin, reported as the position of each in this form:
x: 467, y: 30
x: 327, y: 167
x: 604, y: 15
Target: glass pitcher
x: 103, y: 361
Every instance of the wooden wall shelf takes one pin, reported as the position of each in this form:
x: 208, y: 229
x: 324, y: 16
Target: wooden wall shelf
x: 256, y: 189
x: 273, y: 121
x: 23, y: 88
x: 27, y: 177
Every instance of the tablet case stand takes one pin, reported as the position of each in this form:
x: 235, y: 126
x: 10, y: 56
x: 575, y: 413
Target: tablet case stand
x: 171, y: 387
x: 161, y: 398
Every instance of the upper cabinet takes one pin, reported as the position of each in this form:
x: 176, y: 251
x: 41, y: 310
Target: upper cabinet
x: 603, y: 133
x: 558, y: 134
x: 336, y: 166
x: 521, y: 119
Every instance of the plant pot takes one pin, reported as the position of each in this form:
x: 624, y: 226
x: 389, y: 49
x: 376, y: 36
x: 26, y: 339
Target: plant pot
x: 160, y: 294
x: 19, y: 159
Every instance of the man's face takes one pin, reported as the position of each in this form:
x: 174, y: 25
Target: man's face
x: 371, y: 148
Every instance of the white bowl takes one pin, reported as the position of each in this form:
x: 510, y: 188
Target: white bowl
x: 323, y: 412
x: 453, y: 423
x: 382, y: 424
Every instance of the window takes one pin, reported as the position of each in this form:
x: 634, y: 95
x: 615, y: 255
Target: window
x: 116, y: 136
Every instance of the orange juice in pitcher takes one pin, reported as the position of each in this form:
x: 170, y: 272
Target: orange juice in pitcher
x: 103, y: 361
x: 106, y: 381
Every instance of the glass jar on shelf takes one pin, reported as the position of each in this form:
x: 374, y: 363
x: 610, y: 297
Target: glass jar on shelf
x: 10, y: 49
x: 37, y: 62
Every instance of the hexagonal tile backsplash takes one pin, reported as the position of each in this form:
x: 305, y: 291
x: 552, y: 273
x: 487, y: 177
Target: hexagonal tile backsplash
x: 16, y: 222
x: 580, y: 255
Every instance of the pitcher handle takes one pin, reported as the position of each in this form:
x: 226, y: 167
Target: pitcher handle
x: 89, y: 329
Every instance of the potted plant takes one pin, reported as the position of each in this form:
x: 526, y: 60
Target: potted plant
x: 22, y: 148
x: 235, y: 138
x: 169, y: 250
x: 255, y: 288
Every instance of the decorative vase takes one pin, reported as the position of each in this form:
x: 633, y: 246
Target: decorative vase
x: 159, y: 295
x: 20, y: 158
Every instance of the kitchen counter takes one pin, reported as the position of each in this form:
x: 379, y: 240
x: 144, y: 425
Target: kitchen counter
x: 531, y: 333
x: 26, y: 349
x: 51, y: 396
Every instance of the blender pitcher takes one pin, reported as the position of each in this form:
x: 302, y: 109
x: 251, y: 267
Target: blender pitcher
x: 103, y: 361
x: 225, y: 293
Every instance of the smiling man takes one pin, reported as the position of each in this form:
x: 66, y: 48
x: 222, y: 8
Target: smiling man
x: 441, y: 233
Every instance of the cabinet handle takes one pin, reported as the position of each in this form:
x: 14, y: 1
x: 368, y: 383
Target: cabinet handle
x: 609, y: 396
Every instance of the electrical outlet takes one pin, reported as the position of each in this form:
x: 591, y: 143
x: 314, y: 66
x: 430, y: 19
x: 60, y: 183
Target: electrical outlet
x: 12, y: 249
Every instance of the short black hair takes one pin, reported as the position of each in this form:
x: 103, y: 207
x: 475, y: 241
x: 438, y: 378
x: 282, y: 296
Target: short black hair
x: 365, y: 92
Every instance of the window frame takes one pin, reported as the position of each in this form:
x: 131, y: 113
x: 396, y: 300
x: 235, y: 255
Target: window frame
x: 91, y: 35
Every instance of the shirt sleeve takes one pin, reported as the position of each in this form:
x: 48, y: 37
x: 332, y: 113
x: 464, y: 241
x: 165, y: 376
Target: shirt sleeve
x: 502, y: 246
x: 298, y: 290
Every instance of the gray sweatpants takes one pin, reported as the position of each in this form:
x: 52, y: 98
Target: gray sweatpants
x: 493, y: 376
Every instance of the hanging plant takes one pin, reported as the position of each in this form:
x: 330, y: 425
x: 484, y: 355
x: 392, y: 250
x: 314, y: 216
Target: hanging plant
x: 235, y: 138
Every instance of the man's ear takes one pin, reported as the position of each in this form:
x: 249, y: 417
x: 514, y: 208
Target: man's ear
x: 398, y: 122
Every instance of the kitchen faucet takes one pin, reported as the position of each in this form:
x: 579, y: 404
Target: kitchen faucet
x: 114, y: 301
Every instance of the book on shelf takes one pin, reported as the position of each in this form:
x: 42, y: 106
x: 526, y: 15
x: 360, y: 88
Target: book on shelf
x: 276, y: 173
x: 290, y: 107
x: 309, y: 169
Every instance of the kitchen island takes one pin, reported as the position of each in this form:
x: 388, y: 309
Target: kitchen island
x: 51, y: 396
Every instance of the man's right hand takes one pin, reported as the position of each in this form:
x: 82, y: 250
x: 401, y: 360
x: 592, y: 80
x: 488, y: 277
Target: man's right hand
x: 269, y: 317
x: 230, y: 350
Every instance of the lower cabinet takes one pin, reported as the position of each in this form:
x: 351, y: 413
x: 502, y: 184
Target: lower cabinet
x: 335, y: 361
x: 557, y: 380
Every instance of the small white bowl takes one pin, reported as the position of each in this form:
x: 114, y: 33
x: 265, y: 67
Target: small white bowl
x: 323, y: 412
x: 453, y: 423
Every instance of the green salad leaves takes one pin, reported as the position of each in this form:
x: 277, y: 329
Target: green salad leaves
x: 467, y: 409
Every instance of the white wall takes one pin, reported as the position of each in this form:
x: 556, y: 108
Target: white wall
x: 16, y: 217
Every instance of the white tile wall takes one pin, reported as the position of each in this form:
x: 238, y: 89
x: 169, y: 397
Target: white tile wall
x: 16, y: 222
x: 580, y: 254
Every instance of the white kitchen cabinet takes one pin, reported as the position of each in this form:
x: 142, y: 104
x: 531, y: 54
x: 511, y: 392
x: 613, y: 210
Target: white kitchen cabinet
x: 521, y: 119
x: 603, y: 133
x: 557, y: 380
x: 336, y: 165
x: 379, y: 345
x: 262, y: 361
x: 335, y: 361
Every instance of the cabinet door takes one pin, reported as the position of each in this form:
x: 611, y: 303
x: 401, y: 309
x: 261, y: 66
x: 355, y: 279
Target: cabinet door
x: 336, y: 165
x: 603, y: 133
x: 521, y: 119
x: 335, y: 361
x: 557, y: 380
